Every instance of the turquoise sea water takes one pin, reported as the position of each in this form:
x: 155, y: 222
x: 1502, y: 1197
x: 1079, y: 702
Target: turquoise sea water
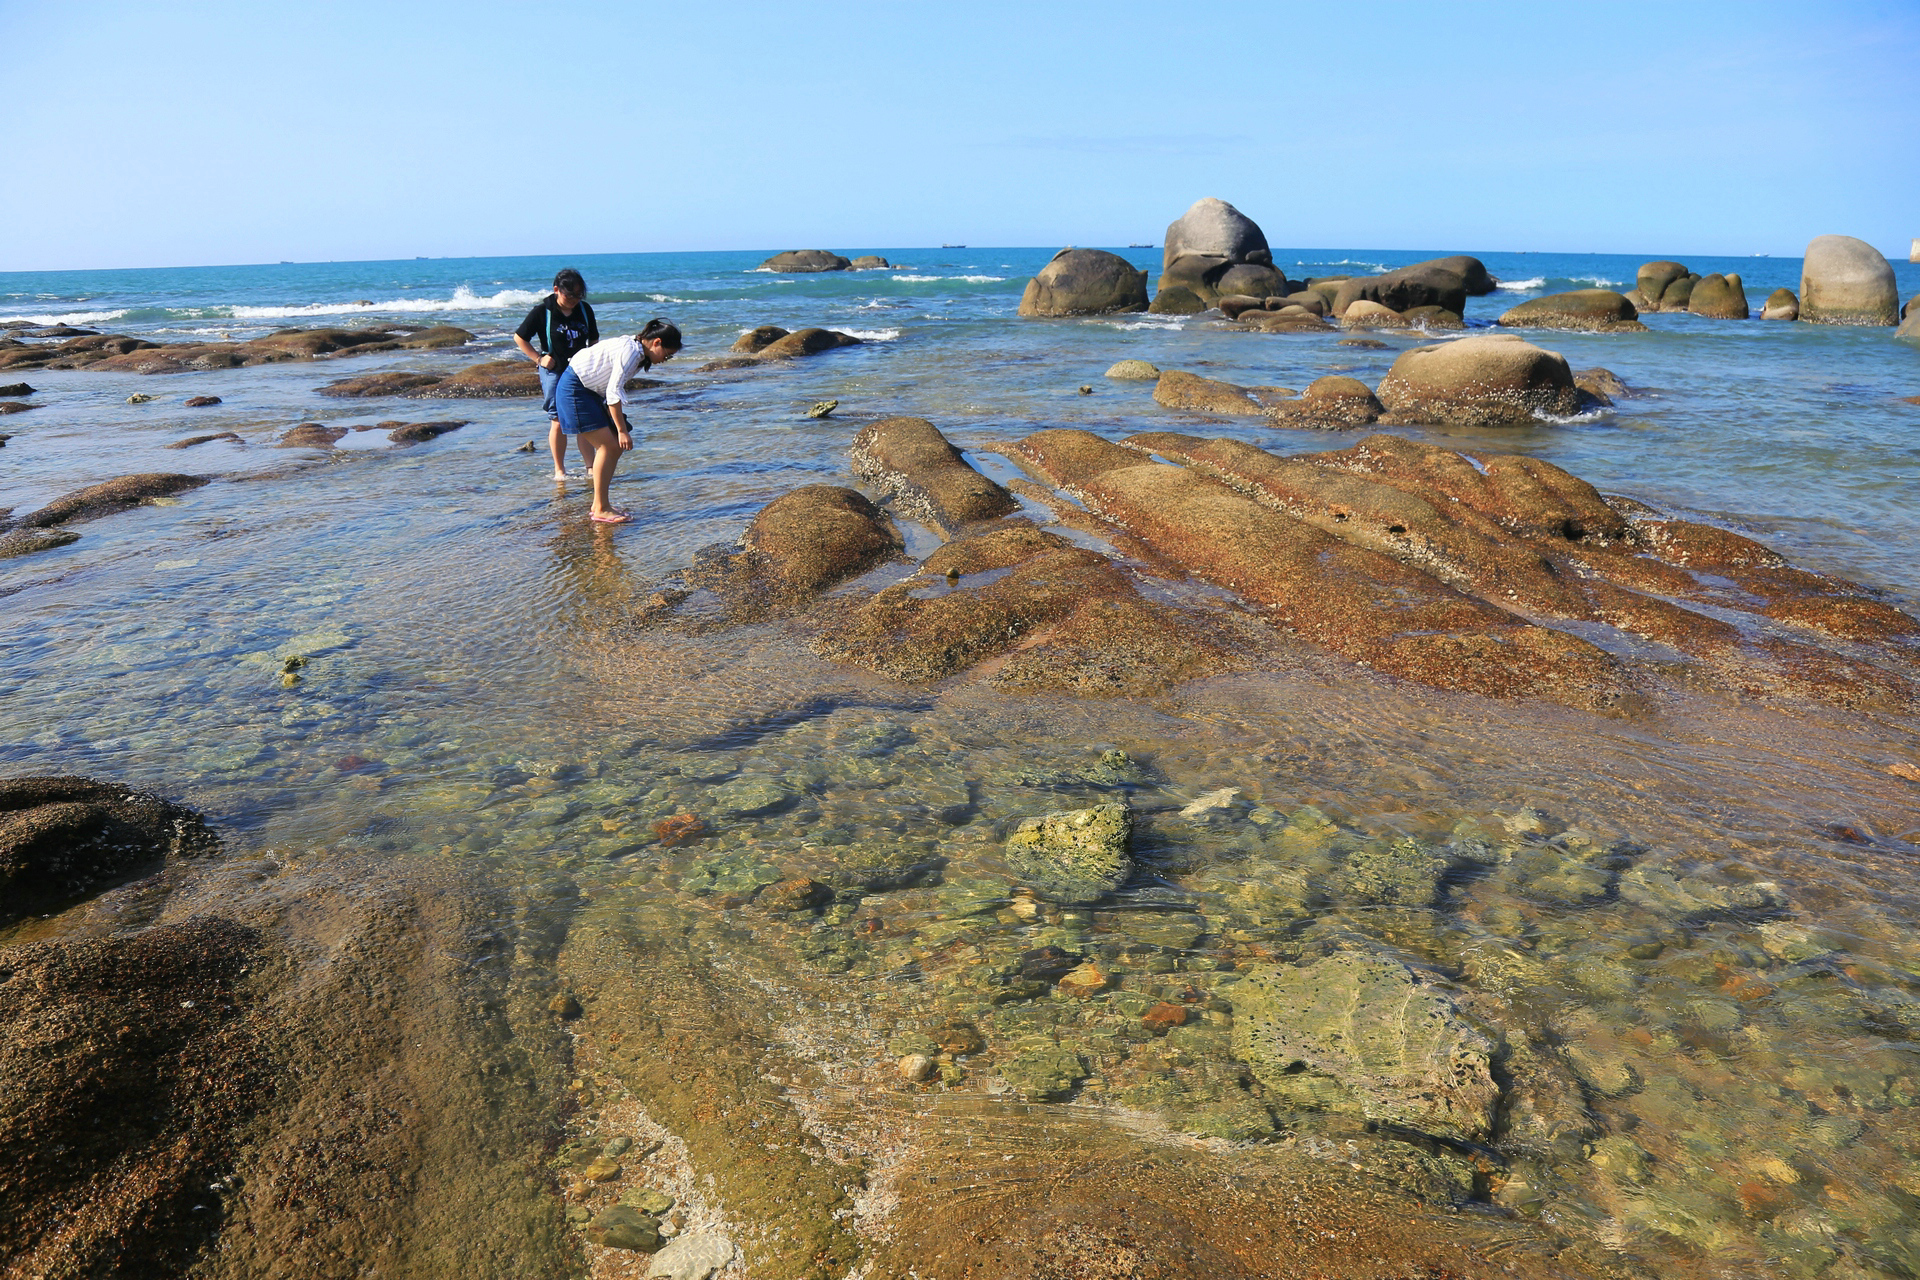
x: 472, y: 693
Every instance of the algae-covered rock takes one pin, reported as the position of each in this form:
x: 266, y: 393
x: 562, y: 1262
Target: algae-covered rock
x: 1075, y: 855
x: 1673, y: 892
x: 1044, y: 1075
x: 878, y: 866
x: 1376, y: 1039
x: 1133, y: 371
x: 1401, y: 872
x: 746, y: 797
x: 624, y: 1227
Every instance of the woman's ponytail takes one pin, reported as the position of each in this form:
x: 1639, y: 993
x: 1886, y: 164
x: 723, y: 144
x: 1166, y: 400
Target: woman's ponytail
x: 665, y: 330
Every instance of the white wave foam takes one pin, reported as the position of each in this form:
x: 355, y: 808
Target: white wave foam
x: 1147, y: 324
x: 664, y: 299
x: 967, y: 279
x: 74, y: 317
x: 1521, y: 286
x: 463, y: 299
x: 873, y: 335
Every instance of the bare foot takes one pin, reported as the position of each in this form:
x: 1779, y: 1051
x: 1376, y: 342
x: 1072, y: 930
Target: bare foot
x: 559, y: 475
x: 611, y: 517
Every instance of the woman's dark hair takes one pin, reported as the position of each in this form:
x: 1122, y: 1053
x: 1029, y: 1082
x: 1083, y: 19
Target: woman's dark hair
x: 665, y: 330
x: 569, y: 279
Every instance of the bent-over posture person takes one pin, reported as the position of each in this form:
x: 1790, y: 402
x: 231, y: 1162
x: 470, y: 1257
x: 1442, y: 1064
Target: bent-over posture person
x: 564, y: 325
x: 591, y: 401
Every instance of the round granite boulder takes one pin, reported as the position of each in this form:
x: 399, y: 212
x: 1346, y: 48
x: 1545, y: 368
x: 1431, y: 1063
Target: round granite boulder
x: 1424, y: 284
x: 1487, y: 380
x: 1720, y: 297
x: 1651, y: 281
x: 1085, y: 282
x: 1588, y: 310
x: 1782, y: 304
x: 1847, y: 281
x: 1133, y: 371
x: 1909, y: 319
x: 1363, y: 314
x: 1213, y: 228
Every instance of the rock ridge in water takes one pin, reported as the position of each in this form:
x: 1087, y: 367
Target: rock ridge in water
x: 111, y: 353
x: 803, y: 261
x: 926, y: 476
x: 63, y: 836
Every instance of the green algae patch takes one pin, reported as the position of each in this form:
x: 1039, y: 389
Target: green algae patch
x: 1079, y: 855
x: 1362, y: 1034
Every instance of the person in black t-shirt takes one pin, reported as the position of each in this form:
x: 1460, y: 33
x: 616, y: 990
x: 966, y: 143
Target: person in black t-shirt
x: 563, y: 325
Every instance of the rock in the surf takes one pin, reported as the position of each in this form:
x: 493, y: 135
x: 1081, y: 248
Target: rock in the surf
x: 821, y: 534
x: 799, y: 261
x: 110, y: 496
x: 1651, y: 281
x: 1438, y: 282
x: 1847, y: 281
x: 1604, y: 385
x: 1333, y: 401
x: 807, y: 342
x: 191, y: 441
x: 926, y: 476
x: 758, y: 339
x: 1077, y: 855
x: 1209, y: 251
x: 1085, y: 282
x: 1133, y: 371
x: 64, y: 836
x: 1180, y: 390
x: 201, y: 402
x: 1364, y: 314
x: 869, y: 262
x: 1481, y: 381
x: 1588, y: 310
x: 1909, y: 319
x: 1366, y: 1035
x: 1719, y: 297
x: 16, y: 389
x: 310, y: 435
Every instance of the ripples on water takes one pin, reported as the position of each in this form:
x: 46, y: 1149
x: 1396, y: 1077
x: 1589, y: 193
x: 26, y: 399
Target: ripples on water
x: 1743, y: 1078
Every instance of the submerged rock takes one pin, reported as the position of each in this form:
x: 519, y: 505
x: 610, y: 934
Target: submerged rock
x: 24, y: 542
x: 110, y: 496
x: 694, y: 1256
x: 1085, y: 282
x: 1391, y: 1046
x: 310, y: 435
x: 417, y: 432
x: 201, y: 402
x: 624, y: 1227
x: 1179, y: 390
x: 1044, y: 1075
x: 819, y: 535
x: 926, y: 475
x: 1076, y: 855
x: 191, y: 441
x: 1847, y: 281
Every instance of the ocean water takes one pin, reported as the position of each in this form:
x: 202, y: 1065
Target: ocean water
x: 472, y: 692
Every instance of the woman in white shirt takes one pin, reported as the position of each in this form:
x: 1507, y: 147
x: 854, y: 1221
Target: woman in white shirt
x: 590, y: 399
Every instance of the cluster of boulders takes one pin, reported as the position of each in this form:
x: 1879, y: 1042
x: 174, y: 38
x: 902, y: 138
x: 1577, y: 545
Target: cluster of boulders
x: 116, y: 353
x: 807, y: 261
x: 1480, y: 573
x: 1585, y: 310
x: 1842, y: 281
x: 1214, y: 251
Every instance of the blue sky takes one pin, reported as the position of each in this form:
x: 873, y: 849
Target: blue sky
x: 185, y: 133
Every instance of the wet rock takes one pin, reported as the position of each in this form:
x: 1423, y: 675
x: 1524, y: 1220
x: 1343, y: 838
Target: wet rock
x: 1076, y: 855
x: 958, y: 1037
x: 869, y: 262
x: 756, y: 340
x: 1909, y: 319
x: 876, y: 866
x: 1653, y: 279
x: 1085, y: 282
x: 16, y: 389
x: 564, y: 1006
x: 750, y: 797
x: 1133, y: 371
x: 1365, y: 344
x: 1847, y: 281
x: 382, y: 384
x: 819, y: 535
x: 1672, y: 891
x: 416, y: 432
x: 601, y: 1169
x: 310, y: 435
x: 1603, y: 385
x: 24, y: 542
x: 802, y: 261
x: 110, y: 496
x: 694, y: 1256
x: 14, y: 406
x: 1782, y: 304
x: 1400, y: 872
x: 112, y: 353
x: 1588, y: 310
x: 925, y: 475
x: 1190, y: 391
x: 795, y: 895
x: 807, y: 342
x: 131, y: 1071
x: 1391, y: 1046
x: 1084, y: 980
x: 822, y: 408
x: 1333, y: 402
x: 191, y: 441
x: 1044, y: 1075
x: 1439, y: 282
x: 1363, y: 314
x: 1202, y: 248
x: 1288, y: 319
x: 1496, y: 380
x: 1164, y: 1017
x: 1719, y: 297
x: 62, y: 836
x: 201, y: 402
x: 914, y: 1067
x: 624, y: 1227
x: 648, y: 1200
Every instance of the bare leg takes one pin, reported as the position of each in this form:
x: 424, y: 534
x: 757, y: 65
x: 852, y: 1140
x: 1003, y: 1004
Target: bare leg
x: 557, y: 446
x: 586, y: 451
x: 606, y: 456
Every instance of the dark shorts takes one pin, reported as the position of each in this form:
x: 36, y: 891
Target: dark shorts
x: 579, y: 409
x: 548, y: 381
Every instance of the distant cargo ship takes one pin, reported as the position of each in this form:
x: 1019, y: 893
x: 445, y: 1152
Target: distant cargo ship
x: 953, y: 246
x: 1143, y: 246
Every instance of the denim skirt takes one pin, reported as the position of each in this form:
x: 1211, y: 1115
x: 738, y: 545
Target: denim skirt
x: 579, y: 409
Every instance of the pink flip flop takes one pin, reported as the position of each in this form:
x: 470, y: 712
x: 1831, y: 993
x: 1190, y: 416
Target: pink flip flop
x: 611, y: 517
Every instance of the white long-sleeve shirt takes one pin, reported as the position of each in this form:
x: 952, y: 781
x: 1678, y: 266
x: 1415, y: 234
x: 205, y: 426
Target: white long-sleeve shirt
x: 606, y: 366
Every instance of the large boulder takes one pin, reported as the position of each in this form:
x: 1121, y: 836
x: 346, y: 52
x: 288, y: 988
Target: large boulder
x: 1587, y: 310
x: 1847, y: 281
x: 1720, y: 297
x: 821, y: 534
x: 805, y: 260
x: 1471, y: 270
x: 1085, y: 282
x: 1782, y: 304
x: 807, y: 342
x: 1178, y: 389
x: 1651, y: 281
x: 1909, y: 319
x: 1424, y: 284
x: 63, y: 836
x: 1211, y: 251
x: 1364, y: 1035
x: 1490, y: 380
x: 1678, y: 294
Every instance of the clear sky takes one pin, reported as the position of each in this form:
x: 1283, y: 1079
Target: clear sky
x: 187, y: 132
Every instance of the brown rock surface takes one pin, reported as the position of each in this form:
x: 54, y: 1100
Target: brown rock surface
x: 416, y: 432
x: 109, y: 496
x: 1586, y: 310
x: 926, y: 476
x: 819, y: 535
x: 1179, y: 390
x: 62, y: 836
x: 755, y: 340
x: 191, y: 441
x: 134, y: 355
x: 1333, y: 401
x: 807, y: 342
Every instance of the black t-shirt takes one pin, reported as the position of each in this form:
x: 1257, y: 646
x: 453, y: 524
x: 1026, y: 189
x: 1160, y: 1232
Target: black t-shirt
x: 555, y: 333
